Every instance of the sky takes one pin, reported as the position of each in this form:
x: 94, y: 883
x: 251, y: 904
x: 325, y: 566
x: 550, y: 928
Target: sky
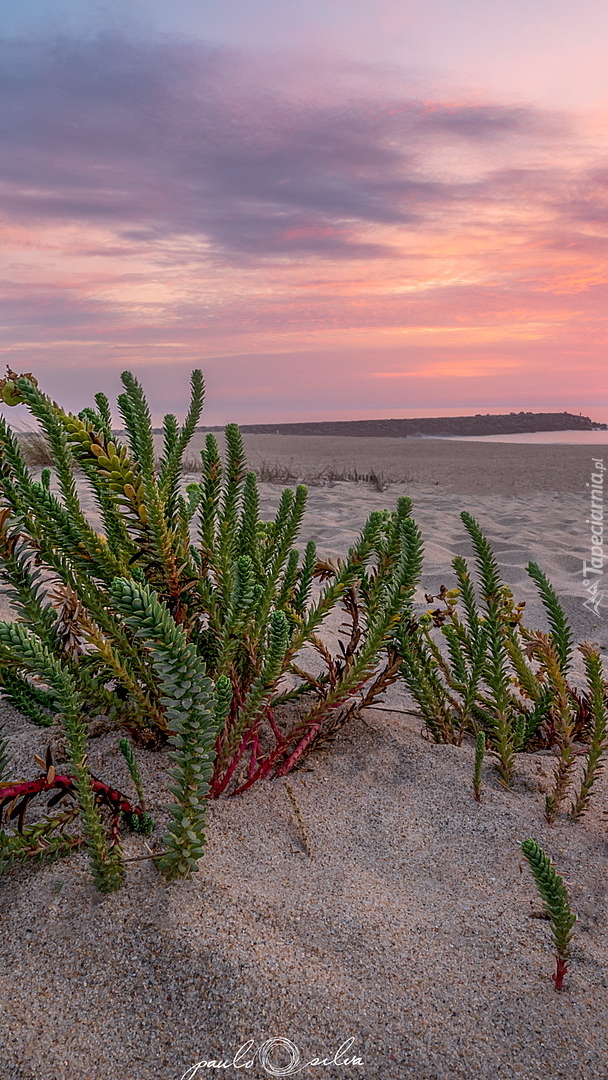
x: 337, y: 209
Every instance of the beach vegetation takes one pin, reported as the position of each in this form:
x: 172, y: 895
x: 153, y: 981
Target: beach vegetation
x: 73, y: 794
x: 195, y: 626
x: 184, y: 620
x: 473, y: 666
x: 596, y: 751
x: 554, y: 895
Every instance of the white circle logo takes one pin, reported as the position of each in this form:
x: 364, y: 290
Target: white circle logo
x: 283, y: 1044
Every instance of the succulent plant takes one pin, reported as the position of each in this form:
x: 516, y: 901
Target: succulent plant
x: 182, y: 620
x: 554, y: 894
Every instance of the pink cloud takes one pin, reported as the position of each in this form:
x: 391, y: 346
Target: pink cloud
x: 165, y: 209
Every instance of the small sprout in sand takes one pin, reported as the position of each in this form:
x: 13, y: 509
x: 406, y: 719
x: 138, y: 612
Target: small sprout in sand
x: 127, y: 752
x: 480, y: 749
x: 142, y: 823
x: 554, y: 894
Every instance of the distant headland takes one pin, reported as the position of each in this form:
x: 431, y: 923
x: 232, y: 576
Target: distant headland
x: 429, y: 426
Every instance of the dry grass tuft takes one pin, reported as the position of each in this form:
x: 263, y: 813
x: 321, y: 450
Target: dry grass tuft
x: 36, y: 452
x: 34, y: 448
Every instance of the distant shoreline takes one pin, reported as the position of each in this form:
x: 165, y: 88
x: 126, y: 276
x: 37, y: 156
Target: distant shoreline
x: 429, y: 426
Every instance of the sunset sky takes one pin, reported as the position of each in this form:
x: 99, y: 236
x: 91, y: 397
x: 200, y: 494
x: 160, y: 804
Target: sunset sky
x: 335, y: 208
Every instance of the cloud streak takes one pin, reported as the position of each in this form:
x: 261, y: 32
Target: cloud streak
x: 164, y: 200
x: 173, y: 139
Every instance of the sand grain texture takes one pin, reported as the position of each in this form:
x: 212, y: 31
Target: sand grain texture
x: 410, y: 926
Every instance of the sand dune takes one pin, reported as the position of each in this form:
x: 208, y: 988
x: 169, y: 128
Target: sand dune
x: 461, y: 468
x: 410, y: 927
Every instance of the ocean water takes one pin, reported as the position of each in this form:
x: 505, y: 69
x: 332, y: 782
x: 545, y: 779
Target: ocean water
x: 578, y: 438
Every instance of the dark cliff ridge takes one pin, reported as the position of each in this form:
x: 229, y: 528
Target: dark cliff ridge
x: 504, y: 424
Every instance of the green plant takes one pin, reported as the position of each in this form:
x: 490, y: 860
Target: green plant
x: 597, y: 748
x: 472, y: 665
x: 184, y: 620
x: 243, y: 595
x: 195, y: 710
x: 127, y: 752
x: 557, y: 905
x: 47, y: 838
x: 463, y: 684
x: 563, y: 715
x: 372, y: 586
x: 106, y: 861
x: 140, y: 822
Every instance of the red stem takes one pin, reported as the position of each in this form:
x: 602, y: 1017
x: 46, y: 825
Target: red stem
x: 219, y: 785
x: 273, y: 724
x: 288, y: 765
x: 561, y: 970
x: 113, y: 798
x: 255, y: 746
x: 281, y: 749
x: 114, y: 831
x: 263, y: 769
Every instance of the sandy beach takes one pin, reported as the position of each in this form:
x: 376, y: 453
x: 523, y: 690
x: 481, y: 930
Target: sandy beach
x: 411, y: 927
